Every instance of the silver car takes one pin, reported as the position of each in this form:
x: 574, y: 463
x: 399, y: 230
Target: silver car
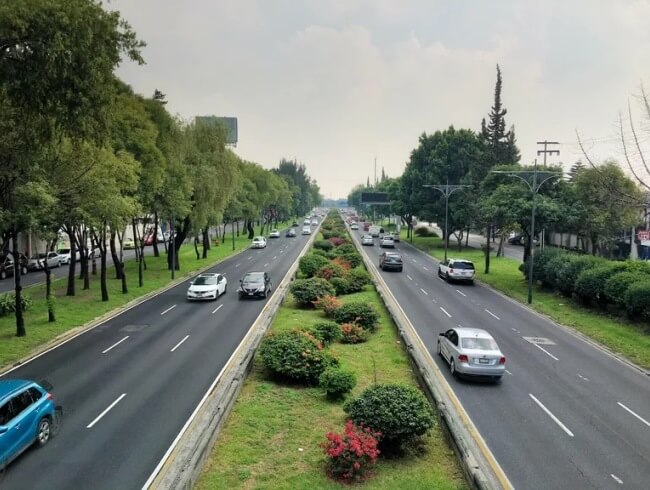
x: 471, y: 352
x: 367, y: 240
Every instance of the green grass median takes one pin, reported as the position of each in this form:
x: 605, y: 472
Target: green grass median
x: 272, y: 437
x: 74, y: 311
x: 629, y: 339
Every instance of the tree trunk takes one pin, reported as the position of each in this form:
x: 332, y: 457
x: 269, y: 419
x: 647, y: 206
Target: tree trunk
x: 223, y: 235
x: 51, y: 317
x: 102, y: 267
x: 139, y: 251
x: 206, y: 243
x: 196, y: 247
x: 179, y: 238
x: 120, y: 261
x: 73, y: 260
x: 156, y: 253
x: 93, y: 255
x: 502, y: 239
x: 116, y: 260
x: 20, y: 319
x: 237, y: 228
x: 251, y: 230
x: 487, y: 249
x: 467, y: 239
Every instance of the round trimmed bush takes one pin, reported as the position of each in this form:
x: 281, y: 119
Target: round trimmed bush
x: 344, y: 249
x: 424, y: 232
x: 306, y: 291
x: 357, y: 278
x: 359, y: 313
x: 309, y: 264
x: 327, y: 234
x: 326, y: 332
x: 330, y: 270
x: 341, y: 285
x: 353, y: 257
x: 351, y: 333
x: 401, y: 413
x: 573, y: 266
x: 324, y: 245
x: 295, y: 355
x: 590, y: 285
x: 337, y: 381
x: 616, y: 286
x: 637, y: 300
x: 542, y: 258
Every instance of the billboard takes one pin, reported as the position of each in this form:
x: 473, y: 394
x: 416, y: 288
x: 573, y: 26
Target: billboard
x: 230, y: 123
x: 374, y: 198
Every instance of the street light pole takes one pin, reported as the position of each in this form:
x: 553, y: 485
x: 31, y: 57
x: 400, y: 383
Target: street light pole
x: 447, y: 190
x: 534, y: 180
x: 172, y: 244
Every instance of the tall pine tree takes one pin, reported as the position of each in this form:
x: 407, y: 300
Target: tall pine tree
x: 501, y: 145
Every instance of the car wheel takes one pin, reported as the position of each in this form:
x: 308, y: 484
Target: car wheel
x: 439, y: 272
x: 447, y: 277
x: 225, y: 289
x: 452, y: 368
x: 3, y: 275
x: 471, y: 283
x: 43, y: 432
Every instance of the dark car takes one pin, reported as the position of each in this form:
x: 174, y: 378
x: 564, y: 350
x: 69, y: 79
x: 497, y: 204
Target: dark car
x: 255, y: 285
x: 291, y: 232
x: 516, y: 240
x: 295, y: 223
x: 391, y: 261
x: 7, y: 265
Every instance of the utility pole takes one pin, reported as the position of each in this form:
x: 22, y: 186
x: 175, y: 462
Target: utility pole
x: 447, y: 190
x: 173, y: 245
x: 546, y: 151
x: 534, y: 180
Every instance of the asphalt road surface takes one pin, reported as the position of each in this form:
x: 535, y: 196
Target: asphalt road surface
x: 565, y: 415
x: 128, y: 386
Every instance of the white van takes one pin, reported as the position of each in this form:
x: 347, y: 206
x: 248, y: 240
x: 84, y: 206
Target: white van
x: 374, y: 231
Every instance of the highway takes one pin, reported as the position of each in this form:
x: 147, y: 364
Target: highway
x: 565, y: 415
x: 128, y: 386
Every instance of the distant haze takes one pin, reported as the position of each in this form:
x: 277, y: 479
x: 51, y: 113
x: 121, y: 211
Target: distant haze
x: 336, y: 83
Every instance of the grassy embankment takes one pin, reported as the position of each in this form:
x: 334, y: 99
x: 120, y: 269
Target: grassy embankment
x: 629, y: 339
x: 272, y: 437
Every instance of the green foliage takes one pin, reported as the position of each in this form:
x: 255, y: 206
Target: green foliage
x: 542, y: 258
x: 341, y: 285
x: 346, y: 248
x: 306, y: 291
x: 572, y: 266
x: 327, y: 234
x: 590, y: 285
x: 326, y: 332
x: 337, y: 381
x: 8, y: 303
x: 401, y: 413
x: 330, y: 270
x: 423, y: 231
x: 637, y: 300
x: 617, y: 285
x: 359, y: 313
x: 295, y: 355
x: 323, y: 245
x: 357, y: 279
x: 351, y: 333
x: 353, y: 258
x: 311, y: 263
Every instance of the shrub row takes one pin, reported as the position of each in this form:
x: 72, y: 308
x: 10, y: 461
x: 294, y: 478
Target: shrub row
x: 8, y: 303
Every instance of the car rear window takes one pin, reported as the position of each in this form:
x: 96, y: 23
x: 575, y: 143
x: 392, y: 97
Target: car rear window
x: 463, y: 265
x: 480, y: 344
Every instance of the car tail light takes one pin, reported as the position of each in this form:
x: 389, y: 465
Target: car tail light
x: 463, y: 358
x: 502, y: 360
x: 50, y: 396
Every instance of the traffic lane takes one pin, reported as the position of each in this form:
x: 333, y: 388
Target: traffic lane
x: 523, y: 359
x: 127, y: 367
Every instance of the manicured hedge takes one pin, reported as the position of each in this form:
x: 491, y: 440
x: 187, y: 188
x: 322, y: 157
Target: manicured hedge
x: 311, y: 263
x: 306, y: 291
x: 590, y: 285
x: 357, y: 312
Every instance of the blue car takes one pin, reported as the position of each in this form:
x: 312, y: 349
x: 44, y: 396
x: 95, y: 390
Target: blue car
x: 27, y: 416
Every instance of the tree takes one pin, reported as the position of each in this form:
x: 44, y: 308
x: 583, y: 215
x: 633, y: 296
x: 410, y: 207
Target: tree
x: 576, y: 168
x: 57, y: 61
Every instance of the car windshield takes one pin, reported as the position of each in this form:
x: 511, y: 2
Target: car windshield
x: 257, y: 239
x: 254, y: 278
x: 479, y: 344
x: 38, y: 256
x: 463, y: 265
x: 204, y: 281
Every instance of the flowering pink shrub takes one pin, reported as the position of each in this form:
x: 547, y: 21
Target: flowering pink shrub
x: 351, y: 453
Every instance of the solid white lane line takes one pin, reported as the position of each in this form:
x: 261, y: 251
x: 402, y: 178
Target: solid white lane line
x: 179, y: 344
x: 424, y: 291
x: 460, y: 292
x: 217, y: 309
x: 410, y: 278
x: 508, y: 372
x: 492, y: 314
x: 546, y: 352
x: 445, y: 312
x: 168, y: 309
x: 99, y: 417
x: 617, y: 479
x: 550, y: 414
x: 635, y: 414
x: 115, y: 345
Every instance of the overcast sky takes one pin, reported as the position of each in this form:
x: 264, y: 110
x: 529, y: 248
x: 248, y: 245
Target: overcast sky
x: 336, y: 83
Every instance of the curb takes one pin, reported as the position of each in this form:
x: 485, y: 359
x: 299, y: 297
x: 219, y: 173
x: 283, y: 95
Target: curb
x: 479, y: 464
x: 95, y: 322
x: 183, y: 462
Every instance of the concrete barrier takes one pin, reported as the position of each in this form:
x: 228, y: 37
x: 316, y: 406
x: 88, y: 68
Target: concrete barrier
x: 478, y: 463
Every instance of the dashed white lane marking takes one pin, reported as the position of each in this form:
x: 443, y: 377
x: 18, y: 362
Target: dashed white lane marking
x: 168, y: 309
x: 616, y: 479
x: 445, y: 312
x: 492, y: 314
x: 99, y: 417
x: 550, y: 414
x: 425, y: 269
x: 250, y: 258
x: 237, y: 265
x: 514, y: 329
x: 635, y: 414
x: 410, y: 278
x: 179, y: 344
x: 546, y: 352
x: 115, y: 345
x: 460, y: 292
x: 217, y: 309
x: 582, y: 377
x: 424, y: 291
x: 275, y: 257
x: 266, y: 265
x: 432, y: 299
x: 508, y: 372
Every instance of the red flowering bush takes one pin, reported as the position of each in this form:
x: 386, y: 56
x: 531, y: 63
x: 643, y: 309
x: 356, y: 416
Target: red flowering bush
x: 351, y: 333
x: 330, y: 270
x: 336, y: 241
x: 329, y: 304
x: 342, y: 263
x: 351, y: 453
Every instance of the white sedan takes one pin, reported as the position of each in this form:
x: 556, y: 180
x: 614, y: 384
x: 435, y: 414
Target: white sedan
x: 259, y: 242
x: 274, y: 234
x: 207, y: 286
